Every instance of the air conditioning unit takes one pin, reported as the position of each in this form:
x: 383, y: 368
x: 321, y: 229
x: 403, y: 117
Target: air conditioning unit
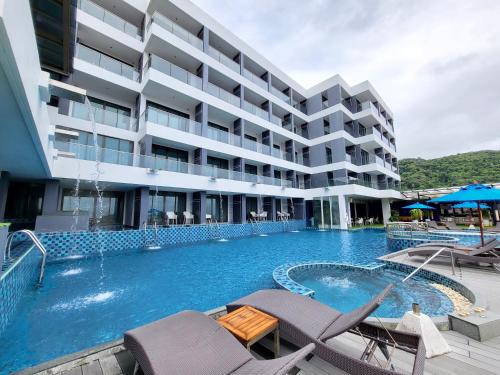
x: 152, y: 171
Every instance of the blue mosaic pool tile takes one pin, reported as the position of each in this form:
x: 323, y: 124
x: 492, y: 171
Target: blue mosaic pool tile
x: 15, y: 281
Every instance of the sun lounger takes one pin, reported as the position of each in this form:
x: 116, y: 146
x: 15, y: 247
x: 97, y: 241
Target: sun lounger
x: 192, y: 343
x: 484, y: 254
x: 432, y: 225
x: 450, y: 225
x: 496, y: 228
x: 303, y: 320
x: 456, y: 246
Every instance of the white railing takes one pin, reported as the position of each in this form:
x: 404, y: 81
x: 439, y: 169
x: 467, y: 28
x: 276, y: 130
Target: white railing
x: 110, y: 18
x: 223, y: 94
x: 223, y: 59
x: 174, y: 71
x: 179, y: 31
x: 108, y: 63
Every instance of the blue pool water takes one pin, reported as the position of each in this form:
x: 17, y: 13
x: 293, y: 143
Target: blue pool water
x: 88, y: 301
x: 350, y: 286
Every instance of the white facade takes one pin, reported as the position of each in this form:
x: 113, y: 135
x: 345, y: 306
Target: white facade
x: 182, y: 105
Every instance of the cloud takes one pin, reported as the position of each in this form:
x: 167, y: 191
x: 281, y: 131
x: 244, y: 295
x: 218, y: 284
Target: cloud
x: 436, y: 64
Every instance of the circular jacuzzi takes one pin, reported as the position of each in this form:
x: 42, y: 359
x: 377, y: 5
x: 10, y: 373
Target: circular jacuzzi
x: 347, y: 287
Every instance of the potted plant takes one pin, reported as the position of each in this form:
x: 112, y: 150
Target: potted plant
x: 416, y: 214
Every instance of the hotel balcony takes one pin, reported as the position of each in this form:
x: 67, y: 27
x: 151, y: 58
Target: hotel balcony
x: 109, y: 18
x: 154, y: 164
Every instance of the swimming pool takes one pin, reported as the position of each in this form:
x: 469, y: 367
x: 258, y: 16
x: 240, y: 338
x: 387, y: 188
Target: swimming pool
x: 344, y: 288
x: 87, y: 301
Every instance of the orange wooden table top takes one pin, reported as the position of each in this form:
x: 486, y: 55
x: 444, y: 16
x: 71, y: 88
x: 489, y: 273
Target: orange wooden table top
x: 247, y: 323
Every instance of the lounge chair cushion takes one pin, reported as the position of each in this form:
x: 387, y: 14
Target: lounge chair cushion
x: 311, y: 316
x: 186, y: 343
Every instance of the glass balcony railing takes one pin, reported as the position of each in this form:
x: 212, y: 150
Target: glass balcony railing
x: 276, y: 120
x: 111, y: 19
x: 85, y: 152
x: 280, y: 94
x: 223, y: 136
x: 252, y: 108
x: 255, y: 79
x: 174, y: 71
x: 278, y: 153
x: 108, y: 63
x: 223, y: 59
x: 110, y: 117
x: 164, y: 118
x: 223, y: 94
x: 179, y: 31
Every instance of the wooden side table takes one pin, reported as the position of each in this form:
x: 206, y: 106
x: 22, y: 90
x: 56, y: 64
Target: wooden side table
x: 249, y: 325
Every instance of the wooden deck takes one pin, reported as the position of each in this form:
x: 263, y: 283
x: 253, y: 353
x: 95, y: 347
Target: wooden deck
x: 468, y: 357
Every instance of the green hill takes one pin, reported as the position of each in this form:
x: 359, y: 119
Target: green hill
x: 453, y: 170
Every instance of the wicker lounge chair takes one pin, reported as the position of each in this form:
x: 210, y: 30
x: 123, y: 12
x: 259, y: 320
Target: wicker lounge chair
x: 439, y: 245
x: 484, y: 254
x: 433, y: 225
x: 496, y: 228
x: 303, y: 320
x: 450, y: 225
x: 192, y: 343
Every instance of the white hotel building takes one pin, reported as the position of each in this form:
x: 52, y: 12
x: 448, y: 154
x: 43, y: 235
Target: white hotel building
x: 188, y: 118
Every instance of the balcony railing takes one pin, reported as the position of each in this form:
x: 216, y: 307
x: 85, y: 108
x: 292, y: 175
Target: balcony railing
x: 108, y: 63
x: 179, y: 31
x: 223, y: 136
x: 255, y: 79
x: 280, y: 95
x: 357, y: 181
x: 223, y: 59
x: 104, y: 116
x: 164, y: 118
x: 223, y: 94
x: 252, y: 108
x: 174, y: 71
x: 276, y: 120
x: 110, y: 18
x: 86, y: 152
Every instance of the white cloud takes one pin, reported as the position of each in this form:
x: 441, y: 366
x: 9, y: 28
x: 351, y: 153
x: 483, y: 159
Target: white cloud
x: 436, y: 63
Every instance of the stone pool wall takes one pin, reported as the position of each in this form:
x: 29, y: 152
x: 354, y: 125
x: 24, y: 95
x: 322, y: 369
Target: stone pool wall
x: 64, y: 244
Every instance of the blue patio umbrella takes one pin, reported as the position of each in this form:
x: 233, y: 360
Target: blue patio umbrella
x: 471, y: 205
x: 418, y: 206
x: 476, y: 193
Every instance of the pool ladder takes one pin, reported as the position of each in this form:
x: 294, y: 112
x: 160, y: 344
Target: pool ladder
x: 431, y: 258
x: 38, y: 245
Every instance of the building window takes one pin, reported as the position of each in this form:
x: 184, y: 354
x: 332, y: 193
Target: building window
x: 217, y: 207
x: 326, y: 127
x: 104, y: 113
x: 87, y: 200
x: 165, y: 201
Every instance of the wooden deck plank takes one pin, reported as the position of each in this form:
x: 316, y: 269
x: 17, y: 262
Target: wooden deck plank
x: 74, y: 371
x: 92, y: 368
x: 110, y: 365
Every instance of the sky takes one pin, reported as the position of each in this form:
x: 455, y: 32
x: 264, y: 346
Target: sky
x: 435, y: 63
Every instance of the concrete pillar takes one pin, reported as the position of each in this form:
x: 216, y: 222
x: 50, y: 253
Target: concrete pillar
x: 336, y: 121
x: 386, y: 210
x: 200, y: 207
x: 141, y: 206
x: 344, y: 212
x: 204, y: 35
x: 338, y: 150
x: 128, y: 216
x: 239, y: 130
x: 241, y: 60
x: 201, y: 116
x: 4, y: 190
x: 200, y: 156
x: 334, y: 95
x: 267, y: 139
x: 50, y: 198
x: 239, y: 208
x: 146, y: 145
